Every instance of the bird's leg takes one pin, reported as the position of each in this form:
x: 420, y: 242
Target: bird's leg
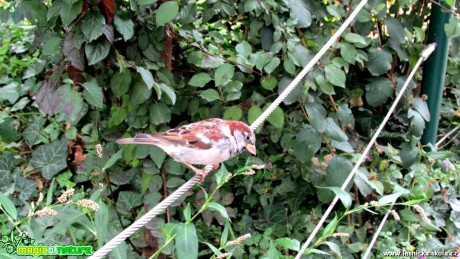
x: 200, y: 172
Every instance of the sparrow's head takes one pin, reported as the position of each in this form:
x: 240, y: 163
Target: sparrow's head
x: 244, y: 137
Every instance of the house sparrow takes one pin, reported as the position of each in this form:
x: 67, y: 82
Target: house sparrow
x: 207, y: 142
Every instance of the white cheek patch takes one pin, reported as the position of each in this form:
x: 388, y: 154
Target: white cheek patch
x: 203, y: 138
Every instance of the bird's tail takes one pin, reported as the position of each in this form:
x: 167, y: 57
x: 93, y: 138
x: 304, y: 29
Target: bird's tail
x: 140, y: 138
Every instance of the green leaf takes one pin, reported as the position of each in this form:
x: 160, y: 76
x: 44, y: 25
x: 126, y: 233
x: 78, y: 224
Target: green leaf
x: 244, y: 49
x: 93, y: 25
x: 50, y: 158
x: 348, y: 53
x: 8, y: 131
x: 10, y: 92
x: 272, y: 65
x: 233, y: 113
x: 390, y: 198
x: 70, y: 11
x: 71, y: 104
x: 210, y: 95
x: 168, y: 91
x: 276, y: 118
x: 140, y: 93
x: 356, y: 39
x: 157, y: 155
x: 337, y: 172
x: 288, y: 243
x: 117, y: 115
x: 113, y: 159
x: 120, y: 83
x: 299, y: 11
x: 49, y: 194
x: 145, y: 2
x: 101, y: 220
x: 166, y: 12
x: 344, y: 196
x: 8, y: 206
x: 159, y: 113
x: 97, y: 51
x: 316, y: 115
x: 334, y: 131
x: 127, y: 200
x: 395, y: 29
x: 324, y: 85
x: 335, y: 75
x: 187, y: 241
x: 421, y: 107
x: 146, y: 76
x: 7, y: 163
x: 224, y: 74
x: 308, y: 142
x: 268, y: 82
x: 125, y: 26
x: 379, y: 61
x: 331, y: 227
x: 254, y: 113
x: 200, y: 80
x: 219, y: 208
x: 93, y: 93
x: 378, y: 91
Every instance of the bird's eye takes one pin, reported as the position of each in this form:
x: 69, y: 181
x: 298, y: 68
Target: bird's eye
x: 246, y: 137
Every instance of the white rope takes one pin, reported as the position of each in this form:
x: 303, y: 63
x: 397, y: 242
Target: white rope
x: 307, y: 68
x: 146, y: 218
x: 424, y: 55
x: 377, y: 233
x: 447, y: 136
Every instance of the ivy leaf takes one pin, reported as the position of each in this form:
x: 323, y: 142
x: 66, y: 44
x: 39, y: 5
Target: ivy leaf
x: 50, y: 158
x: 379, y: 61
x: 166, y: 12
x: 335, y: 75
x: 127, y: 200
x: 93, y: 93
x: 210, y: 95
x: 244, y: 49
x: 97, y: 51
x: 233, y: 113
x: 124, y: 26
x: 187, y: 240
x: 200, y: 80
x: 10, y: 92
x: 378, y: 91
x: 93, y: 25
x: 7, y: 163
x: 224, y: 74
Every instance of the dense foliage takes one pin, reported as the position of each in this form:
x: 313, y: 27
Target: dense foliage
x: 75, y: 75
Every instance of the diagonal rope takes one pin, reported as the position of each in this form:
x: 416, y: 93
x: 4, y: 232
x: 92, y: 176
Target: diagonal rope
x: 424, y: 55
x: 377, y: 233
x: 184, y: 188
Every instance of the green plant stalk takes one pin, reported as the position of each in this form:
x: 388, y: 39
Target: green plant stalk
x: 157, y: 253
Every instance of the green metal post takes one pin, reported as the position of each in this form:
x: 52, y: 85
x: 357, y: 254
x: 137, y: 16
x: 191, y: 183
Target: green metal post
x: 434, y: 69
